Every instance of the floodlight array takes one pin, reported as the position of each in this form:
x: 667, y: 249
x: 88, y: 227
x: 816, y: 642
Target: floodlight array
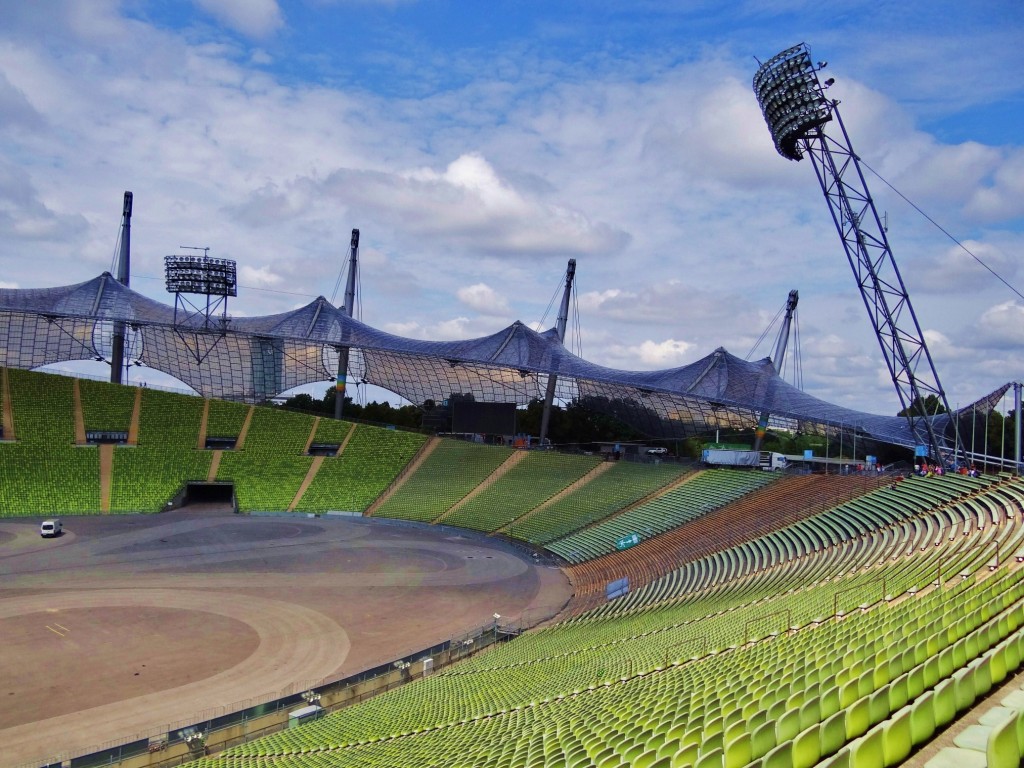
x: 791, y: 99
x: 200, y: 274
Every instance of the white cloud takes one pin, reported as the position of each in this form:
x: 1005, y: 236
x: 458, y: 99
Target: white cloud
x: 483, y: 299
x: 611, y: 349
x: 5, y: 284
x: 1002, y: 326
x: 253, y: 18
x: 448, y: 329
x: 15, y: 109
x: 260, y: 57
x: 957, y: 271
x: 595, y: 300
x: 471, y: 208
x: 25, y: 216
x: 655, y: 171
x: 410, y: 329
x: 664, y: 354
x: 1003, y: 197
x: 259, y: 277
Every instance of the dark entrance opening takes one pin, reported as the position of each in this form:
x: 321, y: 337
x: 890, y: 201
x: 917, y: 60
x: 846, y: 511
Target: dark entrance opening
x: 324, y: 449
x: 209, y: 493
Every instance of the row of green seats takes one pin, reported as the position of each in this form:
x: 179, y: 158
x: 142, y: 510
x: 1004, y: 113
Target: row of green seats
x: 44, y: 472
x: 147, y: 476
x: 447, y: 475
x: 644, y: 699
x: 622, y: 484
x: 106, y: 406
x: 838, y: 525
x: 537, y: 477
x: 370, y: 462
x: 225, y: 418
x: 268, y: 470
x: 707, y: 491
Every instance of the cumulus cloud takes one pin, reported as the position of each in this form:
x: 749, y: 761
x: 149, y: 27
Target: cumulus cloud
x: 957, y: 271
x: 835, y: 355
x: 252, y: 18
x: 483, y: 299
x: 469, y: 206
x: 1003, y: 197
x: 1001, y: 326
x: 615, y: 351
x: 15, y: 109
x: 447, y: 329
x: 267, y: 206
x: 24, y: 215
x: 656, y: 172
x: 258, y: 277
x: 664, y: 354
x: 672, y: 302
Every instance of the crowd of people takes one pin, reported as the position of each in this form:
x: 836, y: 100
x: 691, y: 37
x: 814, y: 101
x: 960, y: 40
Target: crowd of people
x: 924, y: 469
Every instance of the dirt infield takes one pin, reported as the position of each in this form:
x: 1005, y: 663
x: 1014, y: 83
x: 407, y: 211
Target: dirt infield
x: 129, y: 624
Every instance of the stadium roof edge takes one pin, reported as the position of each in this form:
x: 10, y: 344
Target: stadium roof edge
x: 254, y: 358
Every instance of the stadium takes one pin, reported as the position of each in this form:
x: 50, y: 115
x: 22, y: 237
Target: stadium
x: 240, y: 585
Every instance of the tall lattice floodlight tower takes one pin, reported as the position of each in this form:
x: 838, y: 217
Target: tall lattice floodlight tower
x: 200, y: 324
x: 797, y: 110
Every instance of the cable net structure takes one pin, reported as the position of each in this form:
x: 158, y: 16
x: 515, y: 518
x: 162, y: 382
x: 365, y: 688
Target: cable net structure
x: 255, y: 358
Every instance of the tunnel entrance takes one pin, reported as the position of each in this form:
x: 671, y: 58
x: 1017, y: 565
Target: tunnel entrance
x: 199, y: 496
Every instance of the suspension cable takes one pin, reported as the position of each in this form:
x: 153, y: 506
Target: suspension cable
x: 765, y: 332
x: 939, y: 227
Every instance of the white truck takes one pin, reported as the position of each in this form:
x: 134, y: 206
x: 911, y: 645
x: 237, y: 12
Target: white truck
x: 769, y: 461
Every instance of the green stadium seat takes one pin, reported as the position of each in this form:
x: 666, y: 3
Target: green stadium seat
x: 897, y: 738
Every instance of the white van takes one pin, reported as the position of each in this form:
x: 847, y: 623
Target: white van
x: 50, y: 528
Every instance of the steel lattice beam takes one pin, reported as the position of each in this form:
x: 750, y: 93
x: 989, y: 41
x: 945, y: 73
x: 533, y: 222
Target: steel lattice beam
x: 796, y: 110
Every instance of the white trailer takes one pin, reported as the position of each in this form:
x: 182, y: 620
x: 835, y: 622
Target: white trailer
x: 769, y: 461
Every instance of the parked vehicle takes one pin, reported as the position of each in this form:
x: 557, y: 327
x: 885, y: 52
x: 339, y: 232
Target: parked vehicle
x: 767, y: 460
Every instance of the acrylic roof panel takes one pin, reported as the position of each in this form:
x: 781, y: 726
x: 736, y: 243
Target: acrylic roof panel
x: 254, y: 358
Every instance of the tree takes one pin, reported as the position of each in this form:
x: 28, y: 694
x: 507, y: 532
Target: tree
x: 304, y: 402
x: 932, y: 406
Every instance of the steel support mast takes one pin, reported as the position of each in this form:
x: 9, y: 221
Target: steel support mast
x: 560, y: 324
x: 796, y: 110
x: 1017, y: 465
x: 349, y: 307
x: 123, y: 277
x: 777, y: 360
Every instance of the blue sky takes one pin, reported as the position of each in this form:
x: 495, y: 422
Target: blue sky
x: 478, y: 146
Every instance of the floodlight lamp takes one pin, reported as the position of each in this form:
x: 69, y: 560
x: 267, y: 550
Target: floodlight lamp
x: 791, y: 99
x: 497, y: 616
